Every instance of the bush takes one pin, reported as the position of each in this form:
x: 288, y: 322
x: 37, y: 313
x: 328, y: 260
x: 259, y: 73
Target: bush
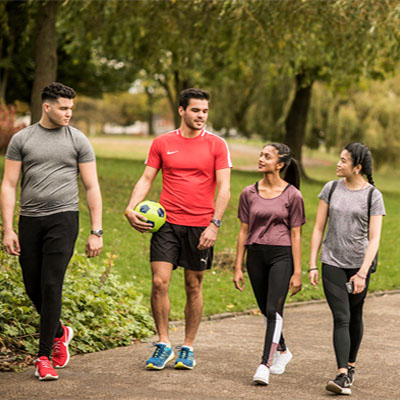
x: 8, y: 125
x: 104, y: 312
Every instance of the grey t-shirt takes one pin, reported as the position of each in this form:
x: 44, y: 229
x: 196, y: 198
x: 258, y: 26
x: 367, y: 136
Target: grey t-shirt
x: 50, y: 159
x: 346, y: 239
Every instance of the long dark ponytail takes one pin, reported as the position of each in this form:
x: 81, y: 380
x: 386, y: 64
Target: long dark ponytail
x: 361, y: 154
x: 290, y: 170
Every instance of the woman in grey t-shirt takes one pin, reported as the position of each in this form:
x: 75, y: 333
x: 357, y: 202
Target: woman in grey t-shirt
x: 348, y: 250
x: 271, y: 214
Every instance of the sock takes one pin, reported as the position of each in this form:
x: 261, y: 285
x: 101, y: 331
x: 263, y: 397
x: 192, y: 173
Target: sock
x: 60, y: 331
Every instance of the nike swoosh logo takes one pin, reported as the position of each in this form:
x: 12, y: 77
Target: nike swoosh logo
x: 172, y: 152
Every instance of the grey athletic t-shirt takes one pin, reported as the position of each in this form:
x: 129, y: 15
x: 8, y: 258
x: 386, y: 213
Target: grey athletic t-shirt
x: 346, y: 239
x: 50, y: 159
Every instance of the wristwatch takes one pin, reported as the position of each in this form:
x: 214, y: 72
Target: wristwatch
x: 98, y: 232
x: 216, y: 222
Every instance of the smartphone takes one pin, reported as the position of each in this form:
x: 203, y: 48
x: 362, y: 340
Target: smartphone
x: 350, y: 287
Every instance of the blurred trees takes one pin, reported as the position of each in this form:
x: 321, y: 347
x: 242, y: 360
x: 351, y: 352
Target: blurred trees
x: 262, y: 61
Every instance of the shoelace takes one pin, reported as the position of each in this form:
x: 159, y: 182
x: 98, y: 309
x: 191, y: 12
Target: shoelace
x: 159, y: 351
x: 56, y: 347
x: 183, y: 352
x: 45, y: 364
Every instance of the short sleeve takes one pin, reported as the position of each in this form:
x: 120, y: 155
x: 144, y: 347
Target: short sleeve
x: 297, y: 215
x: 222, y: 155
x: 243, y: 210
x: 85, y: 150
x: 14, y: 149
x: 154, y: 157
x: 324, y: 195
x: 377, y: 204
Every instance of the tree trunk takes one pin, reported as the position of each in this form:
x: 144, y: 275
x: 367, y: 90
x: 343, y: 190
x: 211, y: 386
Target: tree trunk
x: 150, y: 106
x: 45, y: 54
x: 296, y: 119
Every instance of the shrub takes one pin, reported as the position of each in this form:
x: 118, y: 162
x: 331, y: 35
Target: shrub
x: 104, y: 312
x: 8, y: 125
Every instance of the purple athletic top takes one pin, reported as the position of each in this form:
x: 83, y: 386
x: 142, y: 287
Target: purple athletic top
x: 270, y: 220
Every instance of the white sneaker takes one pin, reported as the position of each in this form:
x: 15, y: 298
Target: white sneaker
x: 262, y: 375
x: 280, y: 361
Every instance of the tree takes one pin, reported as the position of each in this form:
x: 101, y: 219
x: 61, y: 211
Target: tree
x: 45, y: 53
x: 337, y: 42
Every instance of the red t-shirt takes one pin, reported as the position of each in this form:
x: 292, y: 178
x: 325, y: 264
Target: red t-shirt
x: 188, y: 170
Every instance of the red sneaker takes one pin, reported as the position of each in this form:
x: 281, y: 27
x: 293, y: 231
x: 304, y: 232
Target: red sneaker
x: 60, y: 348
x: 44, y: 370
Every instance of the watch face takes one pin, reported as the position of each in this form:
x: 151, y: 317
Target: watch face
x: 97, y: 233
x: 217, y: 222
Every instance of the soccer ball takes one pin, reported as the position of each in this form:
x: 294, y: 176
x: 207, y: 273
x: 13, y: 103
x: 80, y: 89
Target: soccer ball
x: 154, y: 212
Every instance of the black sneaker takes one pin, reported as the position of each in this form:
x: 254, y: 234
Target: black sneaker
x: 351, y: 373
x: 340, y: 385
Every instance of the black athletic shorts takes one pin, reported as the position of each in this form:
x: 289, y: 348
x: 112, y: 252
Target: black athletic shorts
x: 177, y: 244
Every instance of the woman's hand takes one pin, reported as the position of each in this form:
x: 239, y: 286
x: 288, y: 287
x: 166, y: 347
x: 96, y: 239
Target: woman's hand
x: 238, y: 279
x: 359, y: 283
x: 295, y: 284
x: 313, y: 276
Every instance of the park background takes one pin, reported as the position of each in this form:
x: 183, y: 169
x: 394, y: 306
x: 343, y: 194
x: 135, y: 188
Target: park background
x: 310, y: 73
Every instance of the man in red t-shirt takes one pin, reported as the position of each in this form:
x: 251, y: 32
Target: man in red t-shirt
x: 194, y: 162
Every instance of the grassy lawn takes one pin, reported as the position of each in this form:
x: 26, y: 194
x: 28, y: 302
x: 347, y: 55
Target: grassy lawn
x: 120, y: 164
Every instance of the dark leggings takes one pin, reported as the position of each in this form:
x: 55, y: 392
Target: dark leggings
x: 270, y: 269
x: 47, y: 244
x: 347, y: 312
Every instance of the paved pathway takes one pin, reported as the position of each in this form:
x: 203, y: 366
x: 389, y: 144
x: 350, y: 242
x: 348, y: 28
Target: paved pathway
x: 228, y: 352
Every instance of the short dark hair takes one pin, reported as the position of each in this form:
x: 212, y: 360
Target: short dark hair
x: 55, y: 90
x: 192, y: 93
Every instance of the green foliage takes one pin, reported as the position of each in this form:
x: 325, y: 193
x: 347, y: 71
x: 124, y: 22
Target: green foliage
x: 368, y: 112
x: 8, y: 125
x: 104, y: 312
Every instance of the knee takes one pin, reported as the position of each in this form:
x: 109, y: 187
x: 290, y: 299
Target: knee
x: 272, y: 314
x: 193, y: 288
x: 342, y: 320
x: 160, y: 285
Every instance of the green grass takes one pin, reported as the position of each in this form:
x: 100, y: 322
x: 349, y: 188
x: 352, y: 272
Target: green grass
x: 120, y: 164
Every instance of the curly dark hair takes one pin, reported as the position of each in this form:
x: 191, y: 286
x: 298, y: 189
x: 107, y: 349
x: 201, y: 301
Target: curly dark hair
x: 192, y: 93
x: 55, y: 90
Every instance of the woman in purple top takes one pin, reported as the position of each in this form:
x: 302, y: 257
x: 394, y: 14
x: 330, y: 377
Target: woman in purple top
x: 271, y: 212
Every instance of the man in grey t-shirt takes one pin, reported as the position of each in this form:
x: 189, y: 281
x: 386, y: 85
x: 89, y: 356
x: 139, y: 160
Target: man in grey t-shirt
x: 49, y: 155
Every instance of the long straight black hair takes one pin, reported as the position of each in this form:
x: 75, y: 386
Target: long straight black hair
x: 290, y: 170
x: 361, y: 155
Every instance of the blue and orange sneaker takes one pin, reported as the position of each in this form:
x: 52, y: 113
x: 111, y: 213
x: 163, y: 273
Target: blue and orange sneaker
x: 185, y: 358
x: 162, y: 354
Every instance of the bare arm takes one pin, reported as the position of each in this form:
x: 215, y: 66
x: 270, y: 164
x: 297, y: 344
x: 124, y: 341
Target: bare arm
x: 240, y: 251
x: 316, y: 239
x: 295, y: 280
x: 375, y: 227
x: 209, y: 235
x: 139, y: 193
x: 12, y: 172
x: 90, y: 182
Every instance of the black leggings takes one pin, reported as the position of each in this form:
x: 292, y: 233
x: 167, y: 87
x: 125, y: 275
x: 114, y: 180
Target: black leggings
x: 47, y: 244
x: 270, y: 269
x: 347, y: 312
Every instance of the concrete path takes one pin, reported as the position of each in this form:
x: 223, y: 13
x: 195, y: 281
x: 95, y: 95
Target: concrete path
x: 227, y: 352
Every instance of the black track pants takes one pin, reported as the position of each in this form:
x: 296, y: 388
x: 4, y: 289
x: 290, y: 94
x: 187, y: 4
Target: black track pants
x: 346, y: 311
x: 47, y: 244
x: 270, y: 269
